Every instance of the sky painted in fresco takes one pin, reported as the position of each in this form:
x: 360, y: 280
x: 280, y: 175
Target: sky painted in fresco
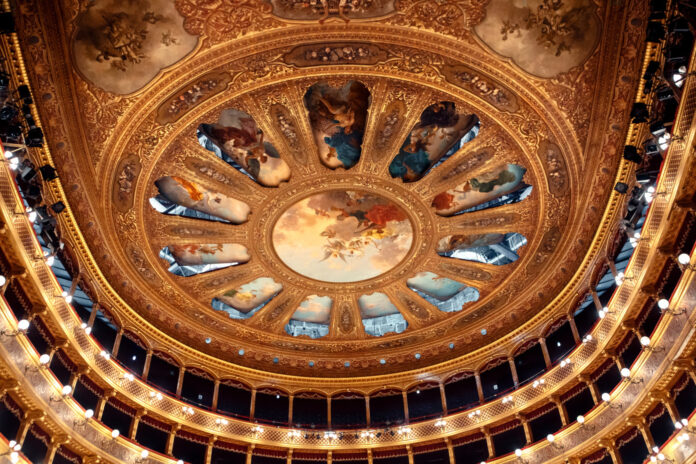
x: 342, y: 236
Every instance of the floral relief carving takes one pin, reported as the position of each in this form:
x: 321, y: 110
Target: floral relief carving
x: 414, y: 308
x: 336, y: 53
x: 492, y: 92
x: 345, y: 322
x: 192, y: 95
x: 128, y: 172
x: 451, y: 17
x: 219, y: 21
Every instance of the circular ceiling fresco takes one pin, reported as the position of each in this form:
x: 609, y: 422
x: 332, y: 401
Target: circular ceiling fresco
x: 342, y: 236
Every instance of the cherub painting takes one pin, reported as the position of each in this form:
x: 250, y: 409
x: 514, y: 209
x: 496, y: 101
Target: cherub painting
x: 543, y: 37
x: 243, y: 301
x: 210, y: 253
x: 342, y: 236
x: 237, y: 139
x: 483, y: 188
x: 338, y: 117
x: 121, y: 45
x: 439, y: 129
x: 189, y: 194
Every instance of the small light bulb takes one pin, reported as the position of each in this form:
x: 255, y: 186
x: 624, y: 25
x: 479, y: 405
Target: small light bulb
x: 518, y: 452
x: 3, y: 280
x: 115, y: 433
x: 14, y: 457
x: 66, y: 390
x: 550, y: 438
x: 44, y: 359
x: 89, y: 414
x: 645, y: 340
x: 23, y: 325
x: 663, y: 303
x: 606, y: 397
x: 684, y: 259
x: 625, y: 372
x: 144, y: 454
x: 580, y: 419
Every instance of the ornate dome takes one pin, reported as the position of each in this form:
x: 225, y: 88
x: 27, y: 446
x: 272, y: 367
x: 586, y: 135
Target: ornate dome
x: 341, y: 195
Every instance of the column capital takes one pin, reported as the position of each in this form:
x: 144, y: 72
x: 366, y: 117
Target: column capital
x: 683, y: 364
x: 34, y: 415
x: 60, y: 439
x: 660, y: 396
x: 630, y: 324
x: 636, y: 421
x: 607, y: 443
x: 7, y: 385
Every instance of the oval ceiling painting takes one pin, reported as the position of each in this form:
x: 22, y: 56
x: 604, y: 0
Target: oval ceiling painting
x: 343, y: 236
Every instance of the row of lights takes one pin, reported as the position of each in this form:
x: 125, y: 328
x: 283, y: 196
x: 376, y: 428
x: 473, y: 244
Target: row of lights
x: 23, y: 325
x: 14, y: 449
x: 67, y: 390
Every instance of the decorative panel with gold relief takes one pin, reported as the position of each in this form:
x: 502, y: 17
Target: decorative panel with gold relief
x: 342, y: 182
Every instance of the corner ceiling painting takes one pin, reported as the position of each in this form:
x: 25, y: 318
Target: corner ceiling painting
x: 120, y: 45
x: 543, y: 37
x: 336, y: 177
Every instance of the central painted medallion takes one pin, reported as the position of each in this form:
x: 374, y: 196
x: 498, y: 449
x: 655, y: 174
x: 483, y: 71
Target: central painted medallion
x: 343, y: 236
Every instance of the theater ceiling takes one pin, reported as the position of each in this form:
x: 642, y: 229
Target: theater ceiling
x: 336, y: 187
